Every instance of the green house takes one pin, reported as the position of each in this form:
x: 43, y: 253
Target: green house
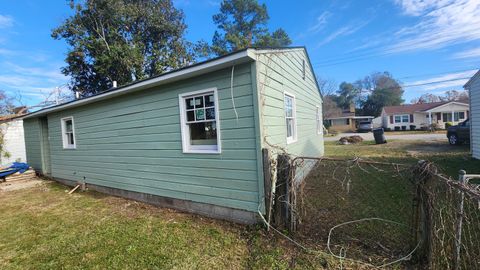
x: 189, y: 139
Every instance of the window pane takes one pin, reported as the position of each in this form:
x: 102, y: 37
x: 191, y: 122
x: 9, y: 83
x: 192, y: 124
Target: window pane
x: 209, y: 101
x: 190, y: 115
x: 210, y: 113
x: 199, y: 114
x: 462, y: 115
x: 456, y: 116
x: 70, y: 138
x: 397, y: 119
x: 189, y: 103
x: 289, y: 128
x: 199, y: 102
x: 203, y: 133
x: 68, y: 126
x: 406, y: 118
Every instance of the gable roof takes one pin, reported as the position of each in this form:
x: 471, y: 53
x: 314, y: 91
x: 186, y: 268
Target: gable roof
x: 214, y: 64
x: 474, y: 77
x: 411, y: 108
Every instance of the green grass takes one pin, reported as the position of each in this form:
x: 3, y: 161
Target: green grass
x: 45, y: 228
x: 450, y: 159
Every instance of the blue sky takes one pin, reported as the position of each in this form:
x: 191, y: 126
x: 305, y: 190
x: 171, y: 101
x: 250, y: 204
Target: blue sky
x: 417, y: 41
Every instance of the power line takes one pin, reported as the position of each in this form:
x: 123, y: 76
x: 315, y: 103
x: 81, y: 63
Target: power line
x: 422, y: 84
x: 435, y: 74
x: 435, y: 82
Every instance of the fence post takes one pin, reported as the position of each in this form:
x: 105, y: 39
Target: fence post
x: 267, y: 175
x: 281, y: 215
x: 458, y: 231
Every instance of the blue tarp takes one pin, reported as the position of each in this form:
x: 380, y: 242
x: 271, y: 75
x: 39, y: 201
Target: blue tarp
x: 16, y: 167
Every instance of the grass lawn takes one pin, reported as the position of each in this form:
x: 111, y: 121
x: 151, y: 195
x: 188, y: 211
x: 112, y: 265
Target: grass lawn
x: 450, y: 159
x: 45, y: 228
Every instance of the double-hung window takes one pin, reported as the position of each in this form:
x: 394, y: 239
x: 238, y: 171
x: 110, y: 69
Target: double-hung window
x: 199, y: 120
x: 290, y: 118
x: 68, y: 133
x: 404, y: 118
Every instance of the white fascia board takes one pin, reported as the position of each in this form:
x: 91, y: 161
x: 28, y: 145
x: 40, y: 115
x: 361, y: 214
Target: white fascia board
x: 435, y: 109
x: 210, y: 66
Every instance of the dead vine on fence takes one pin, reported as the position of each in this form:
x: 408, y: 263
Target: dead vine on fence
x: 380, y: 213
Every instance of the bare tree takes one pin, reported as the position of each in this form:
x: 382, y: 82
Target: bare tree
x: 426, y: 98
x: 328, y: 87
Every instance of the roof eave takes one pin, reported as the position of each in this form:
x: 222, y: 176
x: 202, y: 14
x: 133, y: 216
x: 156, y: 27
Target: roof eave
x: 475, y: 76
x: 240, y: 57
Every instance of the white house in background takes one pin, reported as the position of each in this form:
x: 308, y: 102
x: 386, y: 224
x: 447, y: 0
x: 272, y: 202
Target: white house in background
x: 417, y: 116
x: 473, y: 87
x: 11, y: 127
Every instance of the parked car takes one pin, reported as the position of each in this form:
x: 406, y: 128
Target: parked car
x: 460, y: 133
x: 365, y: 126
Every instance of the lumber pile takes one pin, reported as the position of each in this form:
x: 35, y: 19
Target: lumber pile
x: 28, y: 175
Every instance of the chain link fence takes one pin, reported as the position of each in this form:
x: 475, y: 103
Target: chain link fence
x: 380, y: 214
x: 449, y: 220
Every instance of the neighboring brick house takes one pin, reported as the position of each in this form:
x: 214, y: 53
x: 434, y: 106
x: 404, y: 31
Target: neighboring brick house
x: 422, y: 115
x: 347, y: 120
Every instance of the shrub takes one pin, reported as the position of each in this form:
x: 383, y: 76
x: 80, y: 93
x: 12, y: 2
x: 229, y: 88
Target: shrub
x: 404, y: 128
x: 387, y: 129
x: 327, y: 124
x: 413, y: 127
x: 397, y: 128
x: 448, y: 124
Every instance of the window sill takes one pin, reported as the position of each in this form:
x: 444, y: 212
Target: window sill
x: 290, y: 141
x: 202, y: 152
x: 69, y: 148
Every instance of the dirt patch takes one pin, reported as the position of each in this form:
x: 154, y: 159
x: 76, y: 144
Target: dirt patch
x: 17, y: 185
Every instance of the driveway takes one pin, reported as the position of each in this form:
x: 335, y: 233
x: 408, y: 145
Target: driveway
x: 415, y: 137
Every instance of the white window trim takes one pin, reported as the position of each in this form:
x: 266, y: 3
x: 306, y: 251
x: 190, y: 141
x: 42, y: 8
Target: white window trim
x: 186, y: 147
x: 319, y: 121
x: 294, y: 116
x: 64, y: 137
x: 401, y: 118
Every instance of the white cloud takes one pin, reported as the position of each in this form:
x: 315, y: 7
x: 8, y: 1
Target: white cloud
x: 441, y: 23
x: 472, y: 53
x: 320, y: 23
x: 6, y: 21
x: 343, y: 31
x: 456, y: 79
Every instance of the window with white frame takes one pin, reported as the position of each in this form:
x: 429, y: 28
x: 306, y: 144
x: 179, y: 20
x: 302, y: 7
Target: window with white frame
x: 290, y: 118
x: 319, y: 121
x: 68, y: 133
x: 403, y: 118
x: 199, y: 120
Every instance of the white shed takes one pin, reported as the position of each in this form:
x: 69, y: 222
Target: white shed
x: 13, y: 141
x: 473, y: 87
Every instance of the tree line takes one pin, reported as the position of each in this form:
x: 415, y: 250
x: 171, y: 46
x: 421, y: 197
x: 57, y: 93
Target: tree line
x: 128, y: 40
x: 370, y: 94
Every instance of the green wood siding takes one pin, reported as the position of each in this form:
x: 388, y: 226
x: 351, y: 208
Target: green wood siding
x: 282, y: 72
x: 32, y: 133
x: 133, y: 142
